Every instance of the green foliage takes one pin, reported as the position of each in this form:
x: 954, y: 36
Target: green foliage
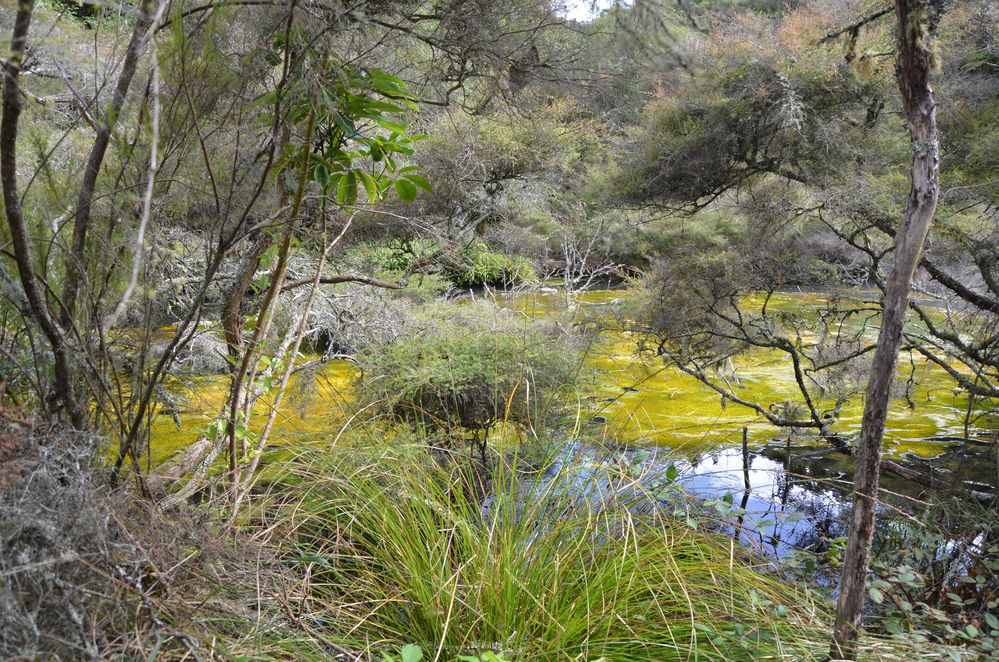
x: 358, y: 145
x: 398, y: 256
x: 938, y: 580
x: 477, y: 266
x: 401, y: 550
x: 413, y: 653
x: 408, y: 653
x: 471, y: 372
x: 934, y: 579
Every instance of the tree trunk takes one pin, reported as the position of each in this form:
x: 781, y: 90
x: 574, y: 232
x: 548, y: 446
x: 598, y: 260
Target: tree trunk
x: 232, y: 309
x: 76, y: 270
x: 916, y: 23
x: 20, y: 238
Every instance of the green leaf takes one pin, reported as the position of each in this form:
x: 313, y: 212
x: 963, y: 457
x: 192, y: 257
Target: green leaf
x: 371, y: 104
x: 333, y: 184
x: 321, y: 175
x: 346, y: 191
x: 345, y: 124
x: 405, y: 189
x: 388, y: 124
x: 370, y: 185
x: 420, y: 181
x: 876, y: 595
x: 411, y: 653
x: 671, y: 473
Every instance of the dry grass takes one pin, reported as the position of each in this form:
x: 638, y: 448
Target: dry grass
x: 89, y: 572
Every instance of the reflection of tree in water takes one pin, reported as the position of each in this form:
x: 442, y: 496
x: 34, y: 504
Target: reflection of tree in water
x: 807, y: 508
x: 784, y: 502
x: 792, y: 499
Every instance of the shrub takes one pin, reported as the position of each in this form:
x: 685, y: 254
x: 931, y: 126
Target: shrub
x: 398, y: 255
x: 471, y: 371
x: 477, y: 266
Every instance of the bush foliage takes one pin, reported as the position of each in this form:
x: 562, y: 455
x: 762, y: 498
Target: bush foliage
x: 470, y: 372
x: 478, y: 266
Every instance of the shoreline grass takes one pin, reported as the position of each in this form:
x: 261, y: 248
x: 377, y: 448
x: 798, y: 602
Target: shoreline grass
x: 395, y: 552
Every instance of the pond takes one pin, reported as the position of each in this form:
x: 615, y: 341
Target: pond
x: 656, y: 416
x: 644, y: 401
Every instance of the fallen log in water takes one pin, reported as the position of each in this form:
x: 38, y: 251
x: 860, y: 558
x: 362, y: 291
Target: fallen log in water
x: 926, y: 480
x: 932, y: 482
x: 193, y: 461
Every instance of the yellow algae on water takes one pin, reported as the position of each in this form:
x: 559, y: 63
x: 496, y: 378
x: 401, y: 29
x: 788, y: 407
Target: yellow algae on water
x: 313, y: 410
x: 628, y: 397
x: 640, y: 400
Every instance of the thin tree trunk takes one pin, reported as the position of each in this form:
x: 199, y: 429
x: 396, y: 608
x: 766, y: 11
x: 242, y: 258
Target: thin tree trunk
x: 76, y: 260
x: 916, y: 24
x: 20, y: 237
x: 265, y: 315
x: 232, y: 309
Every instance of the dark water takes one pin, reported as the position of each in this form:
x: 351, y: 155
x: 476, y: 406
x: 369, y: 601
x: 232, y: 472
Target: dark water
x: 776, y: 500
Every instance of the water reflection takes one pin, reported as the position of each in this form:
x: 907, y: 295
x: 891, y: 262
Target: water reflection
x: 777, y: 500
x: 779, y: 510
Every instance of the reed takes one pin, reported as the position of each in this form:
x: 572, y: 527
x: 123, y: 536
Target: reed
x: 556, y: 562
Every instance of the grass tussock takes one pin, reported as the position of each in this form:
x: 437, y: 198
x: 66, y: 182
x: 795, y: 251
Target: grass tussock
x: 397, y: 551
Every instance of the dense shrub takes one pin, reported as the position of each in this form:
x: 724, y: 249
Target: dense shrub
x: 477, y: 266
x: 470, y: 372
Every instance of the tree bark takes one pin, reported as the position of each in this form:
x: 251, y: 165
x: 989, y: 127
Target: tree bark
x: 916, y: 23
x: 232, y: 309
x: 20, y: 238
